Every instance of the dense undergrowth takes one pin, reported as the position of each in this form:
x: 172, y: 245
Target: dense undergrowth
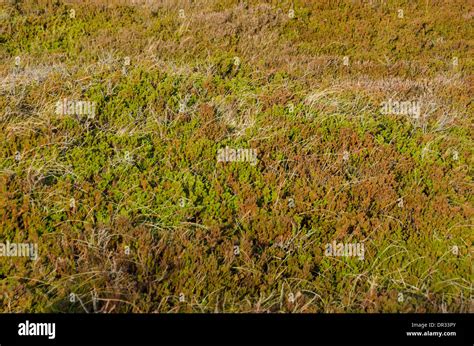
x: 130, y: 208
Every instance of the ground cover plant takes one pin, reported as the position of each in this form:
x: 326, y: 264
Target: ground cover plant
x: 236, y: 156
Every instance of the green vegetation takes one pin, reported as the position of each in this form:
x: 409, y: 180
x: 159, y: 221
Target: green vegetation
x: 132, y: 207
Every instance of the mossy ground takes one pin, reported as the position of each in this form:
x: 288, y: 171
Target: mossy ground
x: 231, y: 237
